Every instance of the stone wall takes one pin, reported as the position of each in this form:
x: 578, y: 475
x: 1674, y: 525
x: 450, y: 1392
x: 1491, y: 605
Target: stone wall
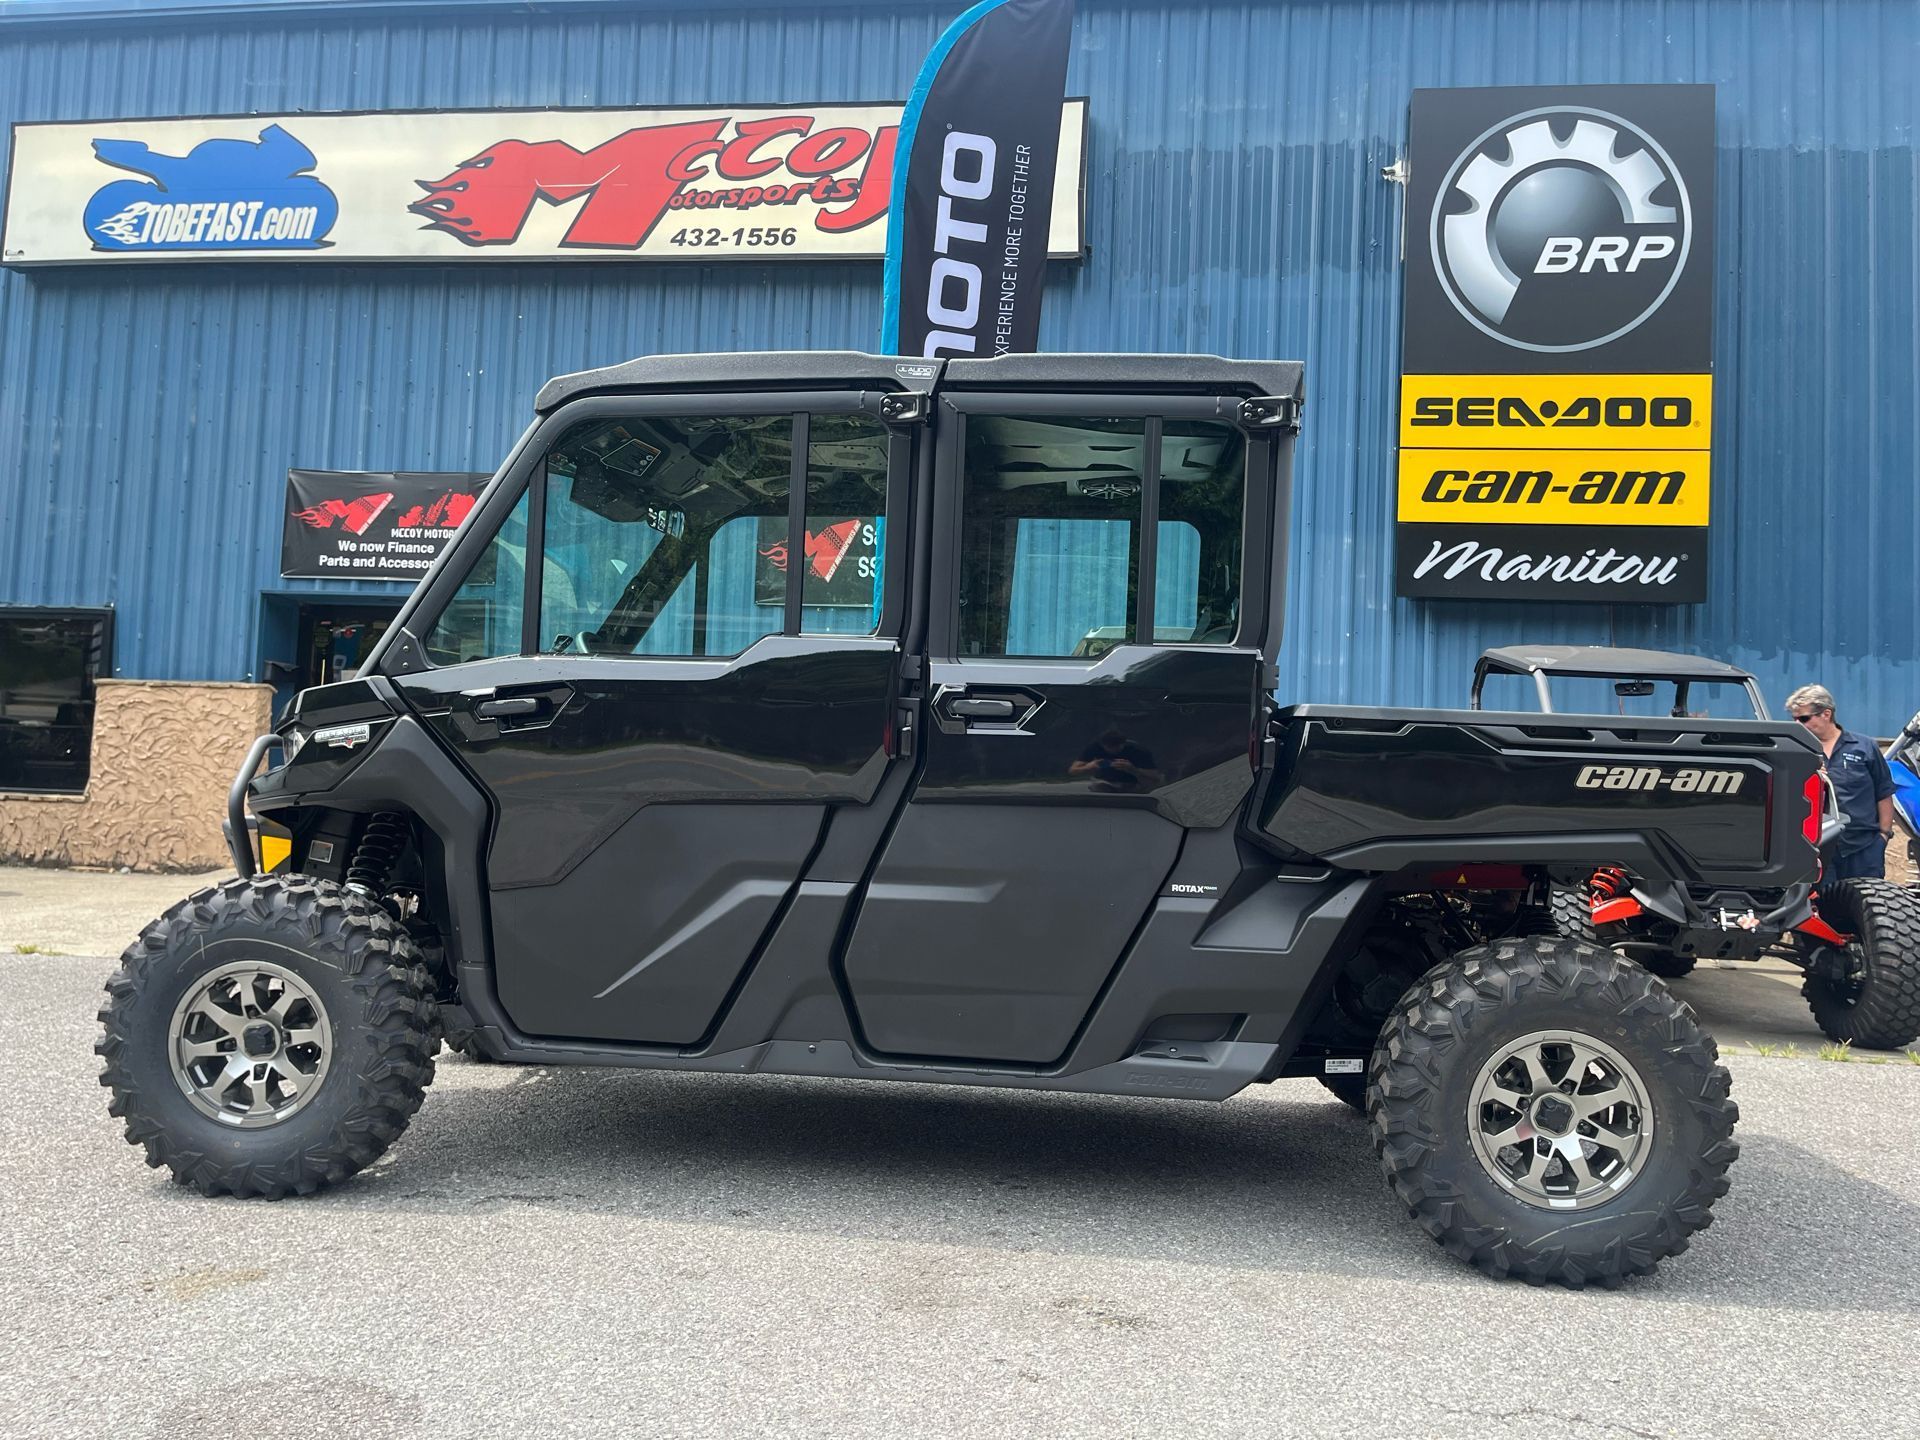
x: 164, y: 756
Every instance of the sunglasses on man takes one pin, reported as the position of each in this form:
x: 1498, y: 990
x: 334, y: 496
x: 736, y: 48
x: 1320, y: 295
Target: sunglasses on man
x: 1809, y: 717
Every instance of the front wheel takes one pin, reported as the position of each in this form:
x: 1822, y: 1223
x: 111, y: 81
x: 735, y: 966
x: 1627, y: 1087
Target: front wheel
x: 1867, y: 994
x: 1548, y: 1110
x: 268, y: 1036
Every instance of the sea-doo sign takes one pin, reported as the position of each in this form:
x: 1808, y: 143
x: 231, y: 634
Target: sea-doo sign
x: 760, y: 183
x: 1556, y: 408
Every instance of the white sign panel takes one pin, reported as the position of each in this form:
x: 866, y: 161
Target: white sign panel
x: 720, y: 182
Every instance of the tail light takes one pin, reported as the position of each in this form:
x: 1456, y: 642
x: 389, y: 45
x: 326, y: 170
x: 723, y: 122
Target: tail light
x: 1814, y: 793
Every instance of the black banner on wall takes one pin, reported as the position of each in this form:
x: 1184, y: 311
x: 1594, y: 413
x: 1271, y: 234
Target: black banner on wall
x: 973, y: 184
x: 360, y: 525
x: 1556, y: 406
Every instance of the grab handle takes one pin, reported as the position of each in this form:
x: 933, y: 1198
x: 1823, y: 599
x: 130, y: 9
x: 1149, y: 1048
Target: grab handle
x: 238, y: 845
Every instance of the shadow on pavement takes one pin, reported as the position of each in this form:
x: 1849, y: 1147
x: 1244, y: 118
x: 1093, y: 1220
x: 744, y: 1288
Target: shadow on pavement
x: 1285, y: 1181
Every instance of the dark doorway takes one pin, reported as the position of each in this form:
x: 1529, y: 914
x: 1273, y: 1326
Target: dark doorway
x: 335, y: 640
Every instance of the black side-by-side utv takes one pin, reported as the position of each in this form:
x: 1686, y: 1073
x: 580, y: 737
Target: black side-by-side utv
x: 849, y: 715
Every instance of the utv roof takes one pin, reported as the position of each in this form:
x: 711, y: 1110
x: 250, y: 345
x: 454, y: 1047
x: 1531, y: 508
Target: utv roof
x: 1605, y: 660
x: 1612, y: 663
x: 796, y: 369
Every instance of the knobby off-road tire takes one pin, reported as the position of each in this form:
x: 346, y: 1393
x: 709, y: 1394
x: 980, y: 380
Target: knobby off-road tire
x: 1573, y: 914
x: 1573, y: 918
x: 467, y: 1048
x: 1878, y: 1006
x: 1666, y: 964
x: 1632, y: 1201
x: 312, y: 998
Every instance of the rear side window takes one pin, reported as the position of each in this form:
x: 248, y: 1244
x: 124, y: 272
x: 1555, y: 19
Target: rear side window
x: 1054, y: 512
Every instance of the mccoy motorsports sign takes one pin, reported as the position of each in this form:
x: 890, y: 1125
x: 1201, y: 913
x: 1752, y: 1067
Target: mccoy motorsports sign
x: 1556, y: 405
x: 717, y: 182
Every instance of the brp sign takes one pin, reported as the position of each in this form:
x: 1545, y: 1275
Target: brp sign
x: 1561, y: 228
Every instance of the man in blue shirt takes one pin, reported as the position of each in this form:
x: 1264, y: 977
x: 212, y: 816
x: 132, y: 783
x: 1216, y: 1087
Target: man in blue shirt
x: 1861, y: 783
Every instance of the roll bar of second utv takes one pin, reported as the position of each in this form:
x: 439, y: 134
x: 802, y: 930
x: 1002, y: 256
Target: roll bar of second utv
x: 1634, y: 672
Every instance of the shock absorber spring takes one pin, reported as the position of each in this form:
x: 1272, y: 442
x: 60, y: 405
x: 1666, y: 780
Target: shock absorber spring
x: 373, y: 858
x: 1609, y: 882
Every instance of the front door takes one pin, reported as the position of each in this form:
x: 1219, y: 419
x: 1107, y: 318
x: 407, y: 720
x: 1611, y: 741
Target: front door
x: 674, y: 657
x: 1093, y: 690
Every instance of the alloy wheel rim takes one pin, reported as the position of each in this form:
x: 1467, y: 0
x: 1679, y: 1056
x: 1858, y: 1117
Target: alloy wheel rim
x: 250, y: 1044
x: 1560, y: 1120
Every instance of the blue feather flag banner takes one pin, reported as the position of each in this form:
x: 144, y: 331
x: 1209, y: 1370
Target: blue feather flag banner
x: 973, y: 184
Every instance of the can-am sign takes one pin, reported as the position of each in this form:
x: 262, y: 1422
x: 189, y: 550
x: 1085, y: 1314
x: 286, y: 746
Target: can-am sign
x: 720, y: 182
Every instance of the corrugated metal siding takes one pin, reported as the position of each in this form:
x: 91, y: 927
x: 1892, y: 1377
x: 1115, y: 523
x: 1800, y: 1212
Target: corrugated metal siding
x: 1235, y: 205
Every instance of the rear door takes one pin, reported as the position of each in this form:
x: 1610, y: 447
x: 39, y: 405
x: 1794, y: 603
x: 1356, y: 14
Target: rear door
x: 676, y: 654
x: 1094, y: 683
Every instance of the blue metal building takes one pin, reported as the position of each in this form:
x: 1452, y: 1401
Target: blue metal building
x: 1235, y: 204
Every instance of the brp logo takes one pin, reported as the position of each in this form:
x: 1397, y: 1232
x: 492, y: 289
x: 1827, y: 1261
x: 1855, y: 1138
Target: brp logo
x: 1561, y: 229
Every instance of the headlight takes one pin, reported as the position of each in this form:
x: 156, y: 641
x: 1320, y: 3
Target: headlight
x: 292, y: 738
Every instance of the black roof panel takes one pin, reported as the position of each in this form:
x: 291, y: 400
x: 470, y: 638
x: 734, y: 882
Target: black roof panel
x: 802, y: 369
x: 770, y: 369
x: 1251, y: 377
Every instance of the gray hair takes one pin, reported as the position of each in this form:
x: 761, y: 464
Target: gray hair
x: 1812, y: 697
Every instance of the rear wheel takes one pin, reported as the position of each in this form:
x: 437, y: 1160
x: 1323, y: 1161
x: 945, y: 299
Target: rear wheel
x: 268, y: 1036
x: 1573, y: 918
x: 1573, y: 914
x: 1548, y: 1110
x: 1869, y: 993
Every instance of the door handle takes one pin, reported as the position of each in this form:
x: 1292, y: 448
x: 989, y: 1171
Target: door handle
x: 980, y: 709
x: 509, y: 707
x: 1003, y: 713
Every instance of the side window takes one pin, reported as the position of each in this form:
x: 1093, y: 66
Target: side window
x: 1203, y: 502
x: 1051, y: 562
x: 669, y: 536
x: 653, y: 534
x: 846, y: 525
x: 483, y: 618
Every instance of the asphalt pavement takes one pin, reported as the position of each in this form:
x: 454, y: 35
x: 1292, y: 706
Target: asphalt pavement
x: 588, y: 1253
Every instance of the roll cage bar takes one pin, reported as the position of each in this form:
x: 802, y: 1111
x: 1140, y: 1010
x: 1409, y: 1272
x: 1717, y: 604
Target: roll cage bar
x: 1613, y: 663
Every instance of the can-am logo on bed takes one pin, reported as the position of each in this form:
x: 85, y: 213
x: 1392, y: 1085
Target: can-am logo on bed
x: 220, y: 195
x: 761, y: 184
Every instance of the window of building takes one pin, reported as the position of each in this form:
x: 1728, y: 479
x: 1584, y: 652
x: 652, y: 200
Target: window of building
x: 49, y: 661
x: 1053, y: 516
